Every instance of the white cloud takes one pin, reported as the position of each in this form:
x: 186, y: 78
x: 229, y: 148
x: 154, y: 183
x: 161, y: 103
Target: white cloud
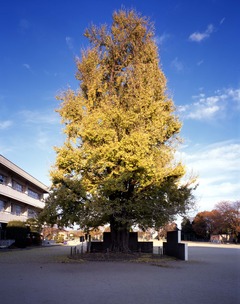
x: 159, y: 40
x: 43, y: 141
x: 5, y: 124
x: 69, y: 42
x: 38, y: 117
x: 217, y: 166
x: 235, y: 94
x: 27, y: 67
x: 198, y: 37
x: 205, y: 108
x: 177, y: 64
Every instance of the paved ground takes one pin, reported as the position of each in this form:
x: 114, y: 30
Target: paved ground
x: 38, y: 276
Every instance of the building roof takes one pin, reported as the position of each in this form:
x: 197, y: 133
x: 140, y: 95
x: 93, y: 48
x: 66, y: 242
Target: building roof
x: 14, y: 168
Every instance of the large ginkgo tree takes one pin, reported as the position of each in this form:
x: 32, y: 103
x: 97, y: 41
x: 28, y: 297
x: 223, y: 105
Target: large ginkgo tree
x: 117, y: 165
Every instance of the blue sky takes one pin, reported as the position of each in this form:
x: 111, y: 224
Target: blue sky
x: 199, y: 48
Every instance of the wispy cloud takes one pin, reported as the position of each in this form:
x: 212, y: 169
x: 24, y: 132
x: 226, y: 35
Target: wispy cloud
x: 160, y: 40
x: 200, y: 36
x: 27, y: 67
x: 70, y: 43
x: 222, y: 20
x: 217, y: 166
x: 207, y: 107
x: 4, y: 149
x: 177, y: 64
x: 200, y: 62
x: 234, y: 94
x: 43, y: 140
x: 5, y: 124
x: 39, y: 117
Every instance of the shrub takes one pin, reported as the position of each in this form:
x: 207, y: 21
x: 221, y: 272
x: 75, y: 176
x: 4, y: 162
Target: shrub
x: 17, y: 230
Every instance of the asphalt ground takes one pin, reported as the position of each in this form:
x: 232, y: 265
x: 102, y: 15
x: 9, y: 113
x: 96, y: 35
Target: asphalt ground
x: 44, y: 275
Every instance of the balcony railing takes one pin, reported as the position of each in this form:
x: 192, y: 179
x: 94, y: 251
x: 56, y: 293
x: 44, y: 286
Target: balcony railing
x: 6, y: 217
x: 21, y: 197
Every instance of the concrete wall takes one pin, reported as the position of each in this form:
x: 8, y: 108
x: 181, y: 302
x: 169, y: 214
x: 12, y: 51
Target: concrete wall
x: 134, y: 245
x: 173, y: 247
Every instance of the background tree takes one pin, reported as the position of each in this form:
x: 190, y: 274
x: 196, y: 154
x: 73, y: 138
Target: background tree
x: 162, y: 232
x: 224, y: 219
x: 34, y: 225
x: 121, y: 137
x: 187, y: 231
x: 229, y: 217
x: 206, y: 223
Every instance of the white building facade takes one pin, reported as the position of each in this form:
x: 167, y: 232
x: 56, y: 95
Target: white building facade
x: 21, y: 195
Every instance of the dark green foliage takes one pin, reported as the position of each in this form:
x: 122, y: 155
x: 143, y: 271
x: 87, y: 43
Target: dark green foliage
x: 17, y: 231
x: 22, y: 234
x: 34, y: 239
x: 187, y: 232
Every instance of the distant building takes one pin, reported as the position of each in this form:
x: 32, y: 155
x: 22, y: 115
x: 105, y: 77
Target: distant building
x: 21, y: 195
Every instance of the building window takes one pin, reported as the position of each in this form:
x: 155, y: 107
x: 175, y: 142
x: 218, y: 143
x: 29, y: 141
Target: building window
x: 3, y: 179
x: 33, y: 194
x: 2, y: 205
x: 17, y: 186
x: 31, y: 213
x: 16, y: 209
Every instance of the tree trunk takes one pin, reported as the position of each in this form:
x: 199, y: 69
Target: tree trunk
x: 119, y: 236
